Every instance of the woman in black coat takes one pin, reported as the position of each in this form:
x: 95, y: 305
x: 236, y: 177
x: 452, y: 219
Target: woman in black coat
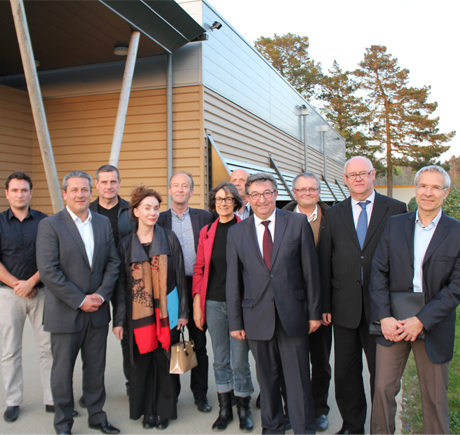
x: 149, y: 301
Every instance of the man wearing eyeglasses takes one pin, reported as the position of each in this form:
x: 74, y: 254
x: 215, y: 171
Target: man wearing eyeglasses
x: 187, y: 222
x: 274, y: 301
x: 307, y: 190
x: 349, y: 238
x: 418, y: 252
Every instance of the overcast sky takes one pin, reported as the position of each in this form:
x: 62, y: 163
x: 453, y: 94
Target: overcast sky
x: 422, y: 35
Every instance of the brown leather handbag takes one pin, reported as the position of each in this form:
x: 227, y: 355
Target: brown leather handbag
x: 183, y: 356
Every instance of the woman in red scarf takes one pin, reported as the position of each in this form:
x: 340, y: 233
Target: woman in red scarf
x: 152, y: 276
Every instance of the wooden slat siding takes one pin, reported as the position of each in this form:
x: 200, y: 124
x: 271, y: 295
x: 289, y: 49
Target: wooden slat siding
x: 81, y: 130
x: 16, y: 138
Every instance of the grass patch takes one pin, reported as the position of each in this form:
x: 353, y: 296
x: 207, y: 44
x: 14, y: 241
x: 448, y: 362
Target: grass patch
x: 412, y: 410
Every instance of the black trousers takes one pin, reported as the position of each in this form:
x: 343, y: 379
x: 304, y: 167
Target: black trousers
x: 349, y: 387
x: 289, y: 356
x: 198, y: 375
x: 92, y: 342
x: 320, y: 352
x: 153, y: 390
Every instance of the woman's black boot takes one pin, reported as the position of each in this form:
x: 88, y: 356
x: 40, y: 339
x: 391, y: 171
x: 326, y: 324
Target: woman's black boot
x: 225, y: 412
x: 244, y: 413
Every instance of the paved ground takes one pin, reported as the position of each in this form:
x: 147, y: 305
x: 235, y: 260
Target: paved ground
x: 33, y: 419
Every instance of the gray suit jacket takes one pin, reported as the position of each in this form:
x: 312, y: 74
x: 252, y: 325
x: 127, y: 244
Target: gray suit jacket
x: 66, y: 273
x: 292, y: 286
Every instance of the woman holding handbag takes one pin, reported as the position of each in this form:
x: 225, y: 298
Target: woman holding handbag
x: 152, y: 277
x: 231, y: 366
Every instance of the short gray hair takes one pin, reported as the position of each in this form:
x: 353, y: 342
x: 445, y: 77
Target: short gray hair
x: 355, y: 157
x: 188, y: 174
x: 260, y: 178
x: 434, y: 168
x: 305, y: 175
x: 77, y: 174
x: 107, y: 168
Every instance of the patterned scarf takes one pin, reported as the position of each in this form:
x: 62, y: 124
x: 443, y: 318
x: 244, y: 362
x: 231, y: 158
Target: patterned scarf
x: 150, y: 304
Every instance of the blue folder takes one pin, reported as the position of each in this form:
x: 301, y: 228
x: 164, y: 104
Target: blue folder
x: 173, y: 308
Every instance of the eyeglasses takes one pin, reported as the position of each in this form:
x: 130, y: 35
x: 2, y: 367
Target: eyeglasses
x: 305, y: 190
x: 424, y: 188
x: 227, y: 200
x: 361, y: 175
x: 267, y: 195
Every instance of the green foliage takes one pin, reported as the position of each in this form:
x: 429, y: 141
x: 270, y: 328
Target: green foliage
x: 346, y: 111
x: 412, y: 206
x: 288, y: 54
x: 400, y: 121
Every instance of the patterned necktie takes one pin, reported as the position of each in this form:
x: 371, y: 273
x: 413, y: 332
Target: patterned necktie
x: 361, y: 228
x: 267, y: 245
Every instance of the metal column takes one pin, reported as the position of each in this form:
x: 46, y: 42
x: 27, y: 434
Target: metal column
x: 124, y: 98
x: 36, y: 102
x: 169, y: 127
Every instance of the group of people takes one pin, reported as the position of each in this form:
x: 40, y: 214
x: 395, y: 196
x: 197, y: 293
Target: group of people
x: 259, y: 278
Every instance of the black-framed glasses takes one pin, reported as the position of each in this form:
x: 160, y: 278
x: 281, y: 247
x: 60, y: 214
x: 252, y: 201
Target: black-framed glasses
x: 361, y: 175
x: 305, y: 190
x: 267, y: 195
x: 226, y: 200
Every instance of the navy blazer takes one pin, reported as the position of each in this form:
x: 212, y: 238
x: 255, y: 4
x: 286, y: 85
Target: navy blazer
x: 342, y: 258
x: 291, y: 288
x: 393, y: 270
x: 198, y: 217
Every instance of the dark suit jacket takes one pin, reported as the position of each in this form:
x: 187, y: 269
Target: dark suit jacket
x: 198, y: 217
x: 292, y: 285
x: 341, y: 259
x: 66, y: 273
x: 393, y: 270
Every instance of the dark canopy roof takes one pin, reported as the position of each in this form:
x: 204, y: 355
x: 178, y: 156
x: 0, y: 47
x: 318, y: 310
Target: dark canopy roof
x: 67, y: 33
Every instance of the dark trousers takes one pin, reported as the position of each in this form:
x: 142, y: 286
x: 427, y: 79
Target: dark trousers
x: 126, y: 355
x: 198, y: 375
x: 320, y: 351
x: 349, y: 387
x: 289, y: 356
x: 92, y: 342
x: 152, y: 387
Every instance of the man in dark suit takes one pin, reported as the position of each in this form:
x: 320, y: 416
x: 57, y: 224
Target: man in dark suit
x: 306, y: 188
x: 349, y: 239
x: 187, y: 223
x: 79, y: 265
x: 418, y: 252
x: 274, y: 301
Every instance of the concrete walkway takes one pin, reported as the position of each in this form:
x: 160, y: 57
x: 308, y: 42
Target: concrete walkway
x: 33, y: 419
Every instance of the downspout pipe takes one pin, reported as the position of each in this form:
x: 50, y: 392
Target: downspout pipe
x: 124, y: 99
x: 36, y: 103
x: 169, y: 123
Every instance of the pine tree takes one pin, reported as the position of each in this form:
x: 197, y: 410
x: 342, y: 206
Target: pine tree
x: 348, y: 114
x: 400, y: 114
x: 288, y: 54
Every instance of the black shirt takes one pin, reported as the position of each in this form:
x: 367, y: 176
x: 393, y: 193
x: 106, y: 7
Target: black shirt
x: 17, y: 243
x: 218, y: 267
x: 112, y: 214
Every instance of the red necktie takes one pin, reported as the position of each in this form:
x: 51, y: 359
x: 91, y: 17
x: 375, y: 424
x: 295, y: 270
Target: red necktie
x: 267, y: 245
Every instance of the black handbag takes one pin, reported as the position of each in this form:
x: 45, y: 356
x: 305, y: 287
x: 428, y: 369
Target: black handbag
x: 403, y: 305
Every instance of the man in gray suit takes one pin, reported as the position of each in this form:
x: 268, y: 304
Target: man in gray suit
x: 274, y: 301
x: 79, y: 265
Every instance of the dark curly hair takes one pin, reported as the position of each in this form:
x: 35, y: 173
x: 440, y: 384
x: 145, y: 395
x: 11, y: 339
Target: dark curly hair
x: 228, y: 188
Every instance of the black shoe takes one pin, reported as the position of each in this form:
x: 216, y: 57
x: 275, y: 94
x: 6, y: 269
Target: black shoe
x: 161, y: 423
x: 203, y: 405
x: 258, y: 402
x: 148, y: 422
x: 105, y: 427
x: 287, y: 422
x: 349, y: 431
x: 322, y: 423
x: 11, y: 414
x: 81, y: 402
x: 225, y: 412
x: 244, y: 413
x: 50, y: 409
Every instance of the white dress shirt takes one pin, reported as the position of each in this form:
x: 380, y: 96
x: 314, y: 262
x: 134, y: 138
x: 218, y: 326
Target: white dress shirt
x: 422, y: 239
x: 312, y: 217
x: 86, y: 232
x: 260, y: 229
x: 357, y: 209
